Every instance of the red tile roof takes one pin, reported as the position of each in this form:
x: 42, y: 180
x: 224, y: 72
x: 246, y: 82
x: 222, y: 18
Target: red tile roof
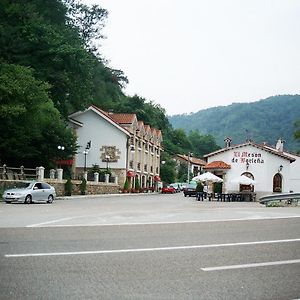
x: 217, y: 164
x: 127, y: 119
x: 193, y: 160
x: 123, y: 118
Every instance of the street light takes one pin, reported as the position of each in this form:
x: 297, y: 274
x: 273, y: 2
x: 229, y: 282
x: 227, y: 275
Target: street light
x: 107, y: 158
x: 86, y: 152
x: 188, y: 174
x: 61, y: 148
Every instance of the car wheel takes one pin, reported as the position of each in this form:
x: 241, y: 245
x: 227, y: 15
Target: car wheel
x: 7, y: 201
x: 50, y: 199
x: 28, y: 199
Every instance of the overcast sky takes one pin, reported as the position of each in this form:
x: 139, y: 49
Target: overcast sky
x: 194, y: 54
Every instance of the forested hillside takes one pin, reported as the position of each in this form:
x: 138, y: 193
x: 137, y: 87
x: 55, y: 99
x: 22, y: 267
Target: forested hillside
x: 262, y: 121
x: 49, y: 68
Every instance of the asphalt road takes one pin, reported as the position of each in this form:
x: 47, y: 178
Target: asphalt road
x: 149, y: 247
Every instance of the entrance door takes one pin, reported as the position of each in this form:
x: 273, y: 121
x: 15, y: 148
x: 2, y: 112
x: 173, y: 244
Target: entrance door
x: 277, y: 183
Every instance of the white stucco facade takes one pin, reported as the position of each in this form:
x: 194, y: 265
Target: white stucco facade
x: 101, y: 133
x: 261, y: 163
x: 126, y: 146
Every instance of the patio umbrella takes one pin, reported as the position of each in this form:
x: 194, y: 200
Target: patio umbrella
x: 243, y: 180
x: 208, y: 177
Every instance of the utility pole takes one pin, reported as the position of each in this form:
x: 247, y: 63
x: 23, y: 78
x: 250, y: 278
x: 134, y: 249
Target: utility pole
x: 188, y: 174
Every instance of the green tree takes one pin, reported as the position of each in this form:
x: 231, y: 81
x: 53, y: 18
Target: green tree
x: 168, y: 169
x: 297, y: 131
x: 30, y: 125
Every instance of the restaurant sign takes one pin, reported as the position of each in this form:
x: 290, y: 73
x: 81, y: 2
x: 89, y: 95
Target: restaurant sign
x: 245, y: 156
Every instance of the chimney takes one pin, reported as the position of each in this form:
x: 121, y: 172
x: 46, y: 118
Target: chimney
x: 227, y: 142
x: 279, y: 145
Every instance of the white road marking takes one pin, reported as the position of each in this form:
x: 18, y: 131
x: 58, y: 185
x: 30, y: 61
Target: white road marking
x: 54, y: 221
x: 152, y: 249
x: 50, y: 223
x: 254, y: 265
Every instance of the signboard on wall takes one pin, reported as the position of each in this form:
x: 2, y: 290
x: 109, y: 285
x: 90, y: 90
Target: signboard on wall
x: 249, y: 157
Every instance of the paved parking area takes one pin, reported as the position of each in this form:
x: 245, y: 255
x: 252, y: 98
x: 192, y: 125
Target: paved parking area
x: 134, y: 209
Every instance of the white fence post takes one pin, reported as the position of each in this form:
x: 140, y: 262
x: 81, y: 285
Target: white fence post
x: 96, y: 177
x: 41, y: 173
x: 59, y: 174
x: 52, y: 174
x: 106, y: 178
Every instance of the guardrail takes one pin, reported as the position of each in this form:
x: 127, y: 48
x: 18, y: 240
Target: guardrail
x: 290, y: 197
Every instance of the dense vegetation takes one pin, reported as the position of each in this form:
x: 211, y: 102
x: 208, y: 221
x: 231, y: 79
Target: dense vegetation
x: 49, y: 68
x: 262, y: 121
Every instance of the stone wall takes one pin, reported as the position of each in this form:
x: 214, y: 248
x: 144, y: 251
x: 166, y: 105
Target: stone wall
x: 92, y: 188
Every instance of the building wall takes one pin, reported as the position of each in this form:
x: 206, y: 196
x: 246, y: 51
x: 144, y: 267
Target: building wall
x: 101, y: 133
x: 262, y: 165
x: 294, y: 178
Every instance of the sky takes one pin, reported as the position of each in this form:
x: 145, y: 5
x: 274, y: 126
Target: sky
x: 194, y: 54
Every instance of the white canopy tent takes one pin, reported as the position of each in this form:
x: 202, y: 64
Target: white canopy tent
x: 207, y: 177
x: 243, y: 180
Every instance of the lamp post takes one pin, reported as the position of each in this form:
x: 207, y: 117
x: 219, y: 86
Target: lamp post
x: 60, y: 170
x: 107, y: 157
x: 188, y: 172
x: 86, y: 152
x: 60, y: 148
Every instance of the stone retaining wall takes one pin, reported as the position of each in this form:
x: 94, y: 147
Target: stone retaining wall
x: 92, y: 188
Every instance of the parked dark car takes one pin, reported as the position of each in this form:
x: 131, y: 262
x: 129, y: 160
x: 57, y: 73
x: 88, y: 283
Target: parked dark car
x: 190, y: 190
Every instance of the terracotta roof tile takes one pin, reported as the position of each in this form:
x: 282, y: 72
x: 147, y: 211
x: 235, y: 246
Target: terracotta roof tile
x: 193, y: 160
x: 217, y: 164
x: 123, y: 118
x: 127, y: 119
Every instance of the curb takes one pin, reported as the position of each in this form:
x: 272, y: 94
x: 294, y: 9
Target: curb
x: 103, y: 196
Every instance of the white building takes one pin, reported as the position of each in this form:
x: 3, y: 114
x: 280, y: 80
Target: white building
x: 272, y: 169
x: 119, y: 142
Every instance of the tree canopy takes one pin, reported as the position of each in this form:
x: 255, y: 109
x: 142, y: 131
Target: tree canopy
x: 50, y: 66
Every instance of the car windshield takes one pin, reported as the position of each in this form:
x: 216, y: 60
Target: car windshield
x: 192, y: 185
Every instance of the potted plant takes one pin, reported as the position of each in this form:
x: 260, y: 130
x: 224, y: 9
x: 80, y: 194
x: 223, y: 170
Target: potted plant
x: 137, y: 185
x: 126, y: 186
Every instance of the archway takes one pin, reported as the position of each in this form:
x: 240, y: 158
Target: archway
x: 277, y: 183
x: 244, y: 187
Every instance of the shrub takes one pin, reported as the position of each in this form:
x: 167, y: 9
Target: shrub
x: 83, y: 186
x: 68, y: 187
x: 126, y: 185
x: 137, y: 184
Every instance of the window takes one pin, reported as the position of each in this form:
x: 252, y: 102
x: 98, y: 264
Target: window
x: 277, y: 183
x: 245, y: 187
x: 45, y: 185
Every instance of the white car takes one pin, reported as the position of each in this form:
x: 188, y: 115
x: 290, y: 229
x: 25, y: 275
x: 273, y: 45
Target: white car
x: 31, y: 192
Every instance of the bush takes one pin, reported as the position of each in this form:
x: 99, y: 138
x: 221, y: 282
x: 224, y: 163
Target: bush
x: 68, y: 187
x: 126, y: 185
x: 137, y: 184
x: 83, y: 186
